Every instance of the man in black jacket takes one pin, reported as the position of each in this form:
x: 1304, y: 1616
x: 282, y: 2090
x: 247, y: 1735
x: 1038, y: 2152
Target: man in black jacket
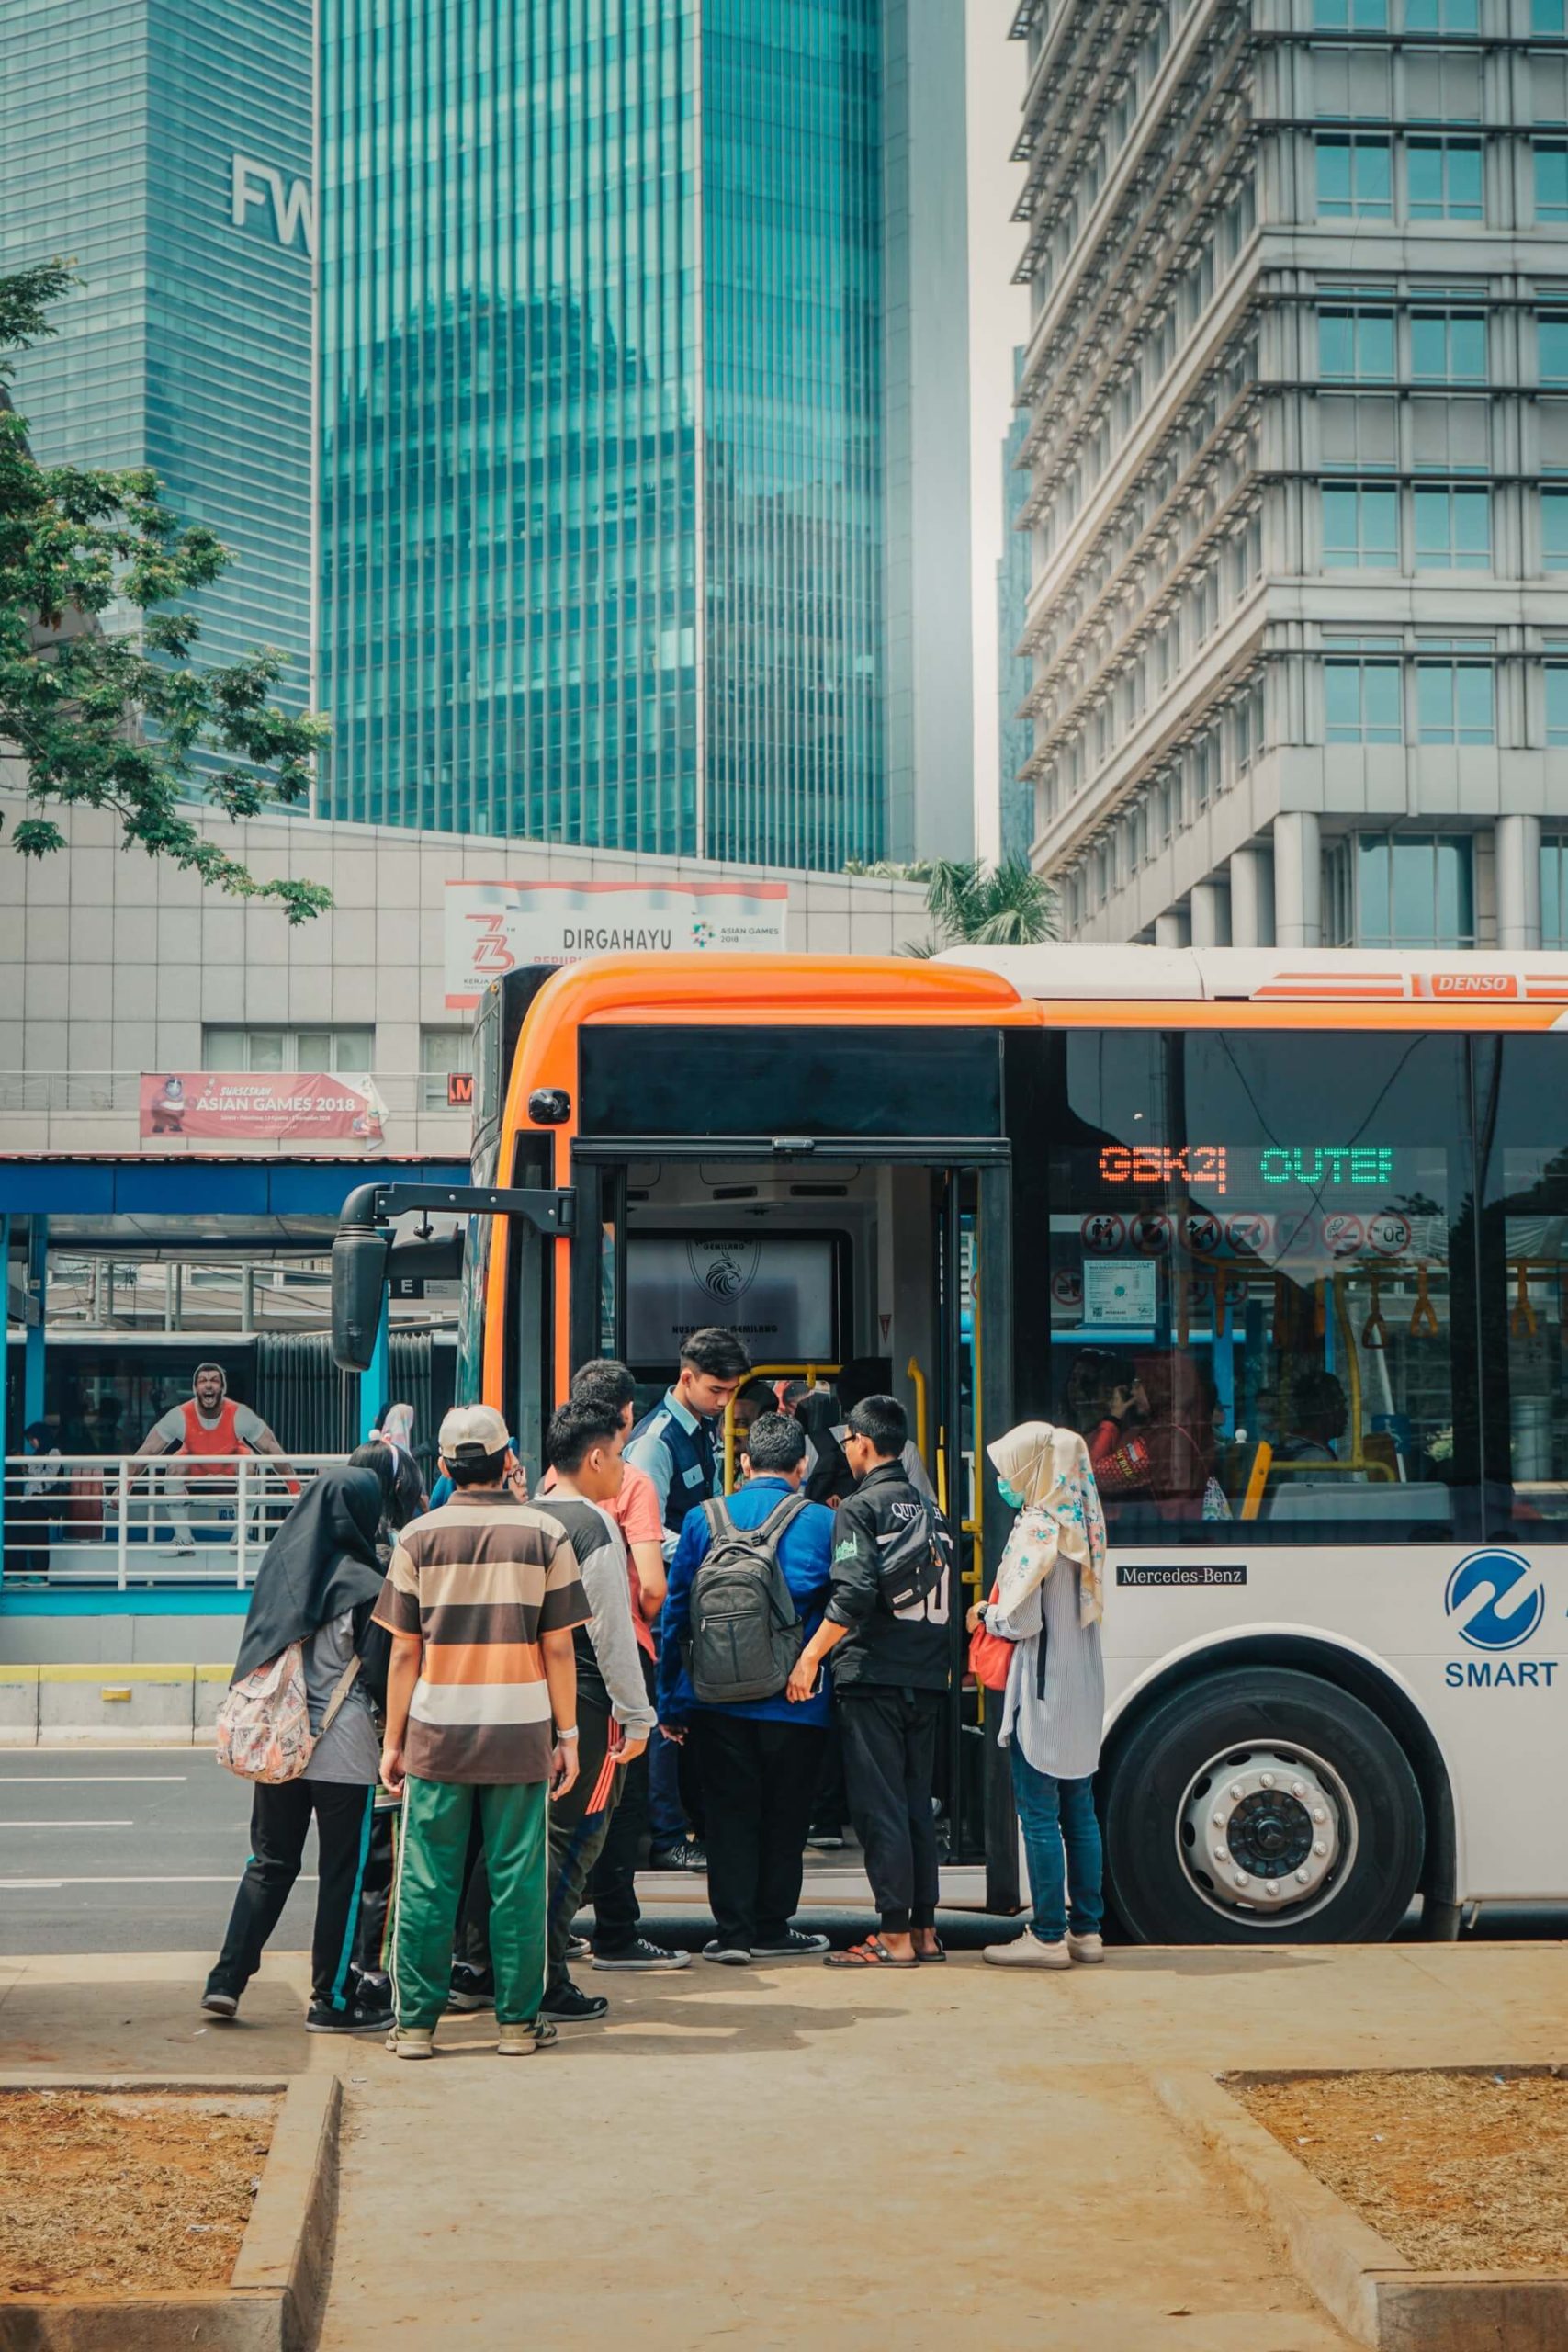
x: 890, y: 1679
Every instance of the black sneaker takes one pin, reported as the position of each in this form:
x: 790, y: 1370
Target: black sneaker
x: 727, y: 1955
x: 571, y: 2006
x: 685, y: 1856
x: 471, y: 1989
x: 218, y: 2003
x: 358, y: 2017
x: 640, y: 1953
x: 795, y: 1944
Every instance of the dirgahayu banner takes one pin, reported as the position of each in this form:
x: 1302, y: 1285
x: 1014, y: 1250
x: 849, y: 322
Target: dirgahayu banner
x: 207, y: 1105
x: 492, y: 927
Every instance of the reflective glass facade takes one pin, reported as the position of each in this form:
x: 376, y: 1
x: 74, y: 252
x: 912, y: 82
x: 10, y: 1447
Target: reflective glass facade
x: 602, y: 531
x: 166, y: 145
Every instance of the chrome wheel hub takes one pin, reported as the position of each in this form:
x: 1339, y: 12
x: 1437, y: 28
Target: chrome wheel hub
x: 1266, y: 1830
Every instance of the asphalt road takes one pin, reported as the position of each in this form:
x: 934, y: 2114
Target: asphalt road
x: 139, y: 1849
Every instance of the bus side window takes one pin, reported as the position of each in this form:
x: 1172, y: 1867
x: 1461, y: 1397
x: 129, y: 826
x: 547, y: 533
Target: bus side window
x: 1249, y: 1281
x: 1524, y: 1272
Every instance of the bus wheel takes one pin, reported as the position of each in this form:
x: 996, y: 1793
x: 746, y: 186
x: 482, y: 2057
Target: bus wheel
x: 1262, y: 1805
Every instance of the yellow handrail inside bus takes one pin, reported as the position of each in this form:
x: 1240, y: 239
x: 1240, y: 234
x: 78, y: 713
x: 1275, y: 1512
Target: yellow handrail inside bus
x: 1256, y: 1479
x: 808, y: 1372
x: 913, y: 1369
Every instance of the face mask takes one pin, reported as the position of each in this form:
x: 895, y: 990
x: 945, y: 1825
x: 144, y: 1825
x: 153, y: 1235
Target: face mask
x: 1010, y: 1495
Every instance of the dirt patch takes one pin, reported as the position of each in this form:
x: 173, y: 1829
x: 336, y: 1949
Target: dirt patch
x: 1460, y: 2172
x: 111, y: 2192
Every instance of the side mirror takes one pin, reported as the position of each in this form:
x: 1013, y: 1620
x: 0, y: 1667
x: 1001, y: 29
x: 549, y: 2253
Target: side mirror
x: 359, y: 1281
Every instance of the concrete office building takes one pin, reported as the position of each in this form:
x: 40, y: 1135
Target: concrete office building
x: 165, y: 147
x: 643, y: 412
x: 1298, y: 468
x: 1015, y: 734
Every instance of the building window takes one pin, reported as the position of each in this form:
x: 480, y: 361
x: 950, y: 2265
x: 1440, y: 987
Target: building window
x: 1442, y: 179
x: 1453, y: 528
x: 1247, y: 723
x: 1350, y: 16
x: 347, y: 1050
x: 1552, y: 179
x: 1554, y: 530
x: 1353, y: 182
x: 1549, y: 17
x: 1551, y: 348
x: 1554, y: 886
x: 1354, y: 347
x: 1448, y: 346
x: 1557, y: 701
x: 1361, y: 526
x: 1441, y: 15
x: 1402, y: 890
x: 1361, y: 700
x: 1455, y: 702
x: 443, y: 1054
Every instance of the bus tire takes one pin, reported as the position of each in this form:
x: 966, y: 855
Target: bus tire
x: 1261, y: 1805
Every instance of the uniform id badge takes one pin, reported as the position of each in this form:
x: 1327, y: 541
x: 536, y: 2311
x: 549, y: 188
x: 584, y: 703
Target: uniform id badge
x: 693, y: 1476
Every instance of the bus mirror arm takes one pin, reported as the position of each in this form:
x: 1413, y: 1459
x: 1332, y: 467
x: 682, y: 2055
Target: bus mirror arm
x: 362, y: 1248
x: 369, y: 1206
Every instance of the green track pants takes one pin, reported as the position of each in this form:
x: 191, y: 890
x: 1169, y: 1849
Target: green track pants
x: 432, y: 1852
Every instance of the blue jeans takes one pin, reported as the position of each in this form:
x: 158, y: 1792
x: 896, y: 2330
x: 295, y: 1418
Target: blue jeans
x: 1060, y: 1831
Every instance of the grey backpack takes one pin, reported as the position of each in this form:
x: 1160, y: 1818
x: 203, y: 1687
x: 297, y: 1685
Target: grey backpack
x: 746, y: 1632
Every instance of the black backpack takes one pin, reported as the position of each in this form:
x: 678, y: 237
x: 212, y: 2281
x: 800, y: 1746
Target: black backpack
x: 745, y: 1628
x: 914, y: 1558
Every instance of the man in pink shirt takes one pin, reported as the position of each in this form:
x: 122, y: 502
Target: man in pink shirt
x: 612, y: 1890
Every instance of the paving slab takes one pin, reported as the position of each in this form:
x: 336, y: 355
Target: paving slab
x: 794, y: 2157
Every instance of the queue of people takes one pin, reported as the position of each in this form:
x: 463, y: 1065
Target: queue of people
x: 499, y: 1695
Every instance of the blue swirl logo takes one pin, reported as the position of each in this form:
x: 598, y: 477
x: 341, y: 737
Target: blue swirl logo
x: 1476, y: 1593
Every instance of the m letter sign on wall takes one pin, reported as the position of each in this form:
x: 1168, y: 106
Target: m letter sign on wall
x: 492, y: 927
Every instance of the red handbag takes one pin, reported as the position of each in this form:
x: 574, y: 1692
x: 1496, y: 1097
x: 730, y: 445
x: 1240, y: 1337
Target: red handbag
x: 989, y: 1656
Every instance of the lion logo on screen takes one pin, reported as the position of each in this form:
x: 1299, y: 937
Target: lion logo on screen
x: 726, y: 1270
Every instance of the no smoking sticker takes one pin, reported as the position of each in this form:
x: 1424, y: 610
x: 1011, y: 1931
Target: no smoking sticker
x: 1344, y: 1236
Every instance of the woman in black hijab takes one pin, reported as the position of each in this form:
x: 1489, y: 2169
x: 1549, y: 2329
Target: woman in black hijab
x: 318, y: 1580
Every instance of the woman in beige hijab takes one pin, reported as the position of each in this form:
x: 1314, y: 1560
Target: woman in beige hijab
x: 1049, y: 1604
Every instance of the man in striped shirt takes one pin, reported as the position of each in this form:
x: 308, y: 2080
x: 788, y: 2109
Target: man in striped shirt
x: 481, y: 1600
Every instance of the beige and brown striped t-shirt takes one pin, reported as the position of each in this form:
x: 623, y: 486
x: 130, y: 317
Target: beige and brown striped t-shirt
x: 479, y: 1580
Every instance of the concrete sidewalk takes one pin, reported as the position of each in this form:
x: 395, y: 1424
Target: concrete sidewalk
x: 795, y: 2158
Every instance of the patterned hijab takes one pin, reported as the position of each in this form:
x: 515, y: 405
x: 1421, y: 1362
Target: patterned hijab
x: 1050, y: 1468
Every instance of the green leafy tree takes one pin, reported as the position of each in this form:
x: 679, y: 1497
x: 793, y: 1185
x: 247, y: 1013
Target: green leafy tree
x: 973, y: 905
x: 111, y: 719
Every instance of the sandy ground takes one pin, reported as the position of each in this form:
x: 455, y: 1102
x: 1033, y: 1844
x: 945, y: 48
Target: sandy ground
x: 99, y: 2192
x: 1461, y: 2172
x: 793, y: 2158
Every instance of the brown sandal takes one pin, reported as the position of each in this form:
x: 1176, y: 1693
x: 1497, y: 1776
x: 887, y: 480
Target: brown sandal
x: 872, y: 1953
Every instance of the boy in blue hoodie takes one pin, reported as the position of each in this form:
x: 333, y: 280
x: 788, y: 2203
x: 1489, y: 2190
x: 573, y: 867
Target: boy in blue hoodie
x: 761, y: 1759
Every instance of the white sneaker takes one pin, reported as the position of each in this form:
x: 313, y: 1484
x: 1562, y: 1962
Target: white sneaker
x: 1090, y: 1950
x: 412, y: 2041
x: 1027, y: 1951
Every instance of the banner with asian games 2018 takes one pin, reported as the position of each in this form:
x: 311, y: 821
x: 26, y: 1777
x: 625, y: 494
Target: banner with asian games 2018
x: 492, y: 927
x: 209, y: 1105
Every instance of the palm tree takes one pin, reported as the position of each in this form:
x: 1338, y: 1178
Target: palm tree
x: 972, y: 905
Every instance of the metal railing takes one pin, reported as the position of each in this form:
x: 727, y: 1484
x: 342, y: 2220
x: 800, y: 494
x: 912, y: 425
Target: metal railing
x: 123, y: 1521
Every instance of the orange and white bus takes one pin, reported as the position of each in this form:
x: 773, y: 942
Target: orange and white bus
x: 1284, y: 1233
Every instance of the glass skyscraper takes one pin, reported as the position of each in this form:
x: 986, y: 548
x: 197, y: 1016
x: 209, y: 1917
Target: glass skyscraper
x: 610, y: 453
x: 165, y: 147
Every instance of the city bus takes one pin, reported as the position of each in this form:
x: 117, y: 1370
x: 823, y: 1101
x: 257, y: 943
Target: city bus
x: 1281, y: 1232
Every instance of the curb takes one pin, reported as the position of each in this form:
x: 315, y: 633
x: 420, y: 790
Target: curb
x: 1362, y: 2282
x: 95, y: 1705
x: 276, y: 2296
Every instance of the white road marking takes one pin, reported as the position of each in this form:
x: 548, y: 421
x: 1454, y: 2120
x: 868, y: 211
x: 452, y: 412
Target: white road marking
x: 67, y: 1825
x: 84, y: 1780
x: 224, y: 1878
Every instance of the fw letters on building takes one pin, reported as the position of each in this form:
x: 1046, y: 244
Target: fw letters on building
x: 492, y: 927
x: 205, y: 1104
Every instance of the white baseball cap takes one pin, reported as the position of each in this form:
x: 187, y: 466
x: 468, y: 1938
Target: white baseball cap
x: 469, y: 1431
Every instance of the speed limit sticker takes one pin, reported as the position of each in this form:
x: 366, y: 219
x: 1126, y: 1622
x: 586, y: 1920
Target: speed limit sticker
x: 1389, y: 1233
